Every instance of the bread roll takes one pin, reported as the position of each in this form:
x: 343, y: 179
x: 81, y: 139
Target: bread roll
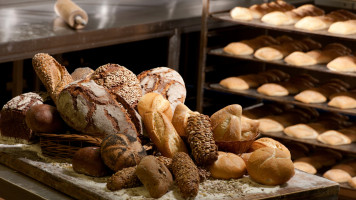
x: 180, y: 119
x: 270, y: 166
x: 305, y: 167
x: 259, y: 10
x: 53, y: 75
x: 343, y: 28
x: 299, y: 58
x: 301, y: 131
x: 44, y: 118
x: 344, y: 100
x: 352, y: 182
x: 163, y: 134
x: 333, y: 137
x: 156, y: 178
x: 269, y: 142
x: 272, y: 89
x: 226, y: 123
x: 125, y: 178
x: 241, y: 13
x: 347, y: 168
x: 343, y: 64
x: 88, y: 161
x: 228, y: 166
x: 152, y: 102
x: 316, y: 164
x: 81, y: 73
x: 337, y: 175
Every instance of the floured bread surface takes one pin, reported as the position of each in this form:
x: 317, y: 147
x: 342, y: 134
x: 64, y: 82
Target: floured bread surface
x: 343, y: 64
x: 268, y: 53
x: 277, y: 18
x: 310, y: 96
x: 301, y: 131
x: 272, y: 89
x: 343, y: 28
x: 119, y: 80
x: 313, y: 23
x: 241, y: 13
x: 299, y: 58
x: 91, y: 109
x: 305, y: 167
x: 165, y: 81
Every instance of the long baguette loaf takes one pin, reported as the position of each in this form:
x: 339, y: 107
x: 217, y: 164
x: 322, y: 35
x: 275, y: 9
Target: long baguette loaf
x: 247, y: 47
x: 53, y: 75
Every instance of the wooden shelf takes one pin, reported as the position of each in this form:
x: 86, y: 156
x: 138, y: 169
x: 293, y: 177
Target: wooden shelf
x: 287, y: 99
x: 319, y: 68
x: 289, y: 28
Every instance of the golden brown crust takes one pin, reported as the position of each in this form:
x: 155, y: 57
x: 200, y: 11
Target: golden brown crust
x: 269, y: 142
x: 227, y: 166
x: 151, y: 102
x: 180, y: 119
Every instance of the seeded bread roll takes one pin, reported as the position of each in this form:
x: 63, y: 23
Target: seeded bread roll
x: 81, y: 73
x: 155, y: 176
x: 53, y: 75
x: 13, y: 115
x: 165, y: 81
x: 120, y: 81
x: 119, y: 151
x: 125, y: 178
x: 44, y: 118
x: 91, y: 109
x: 186, y: 174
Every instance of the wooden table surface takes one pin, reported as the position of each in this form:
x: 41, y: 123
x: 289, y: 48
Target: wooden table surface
x: 61, y: 177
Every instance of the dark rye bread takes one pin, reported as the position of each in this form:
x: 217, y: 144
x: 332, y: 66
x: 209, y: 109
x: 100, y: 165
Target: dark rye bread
x: 120, y: 151
x: 13, y: 114
x: 91, y: 109
x: 119, y: 80
x: 166, y: 82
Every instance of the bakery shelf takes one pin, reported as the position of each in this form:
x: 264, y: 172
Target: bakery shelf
x: 287, y: 99
x: 289, y: 28
x: 348, y: 148
x: 318, y: 68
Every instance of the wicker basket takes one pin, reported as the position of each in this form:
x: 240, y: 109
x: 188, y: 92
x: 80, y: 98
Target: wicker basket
x: 237, y: 147
x: 65, y: 145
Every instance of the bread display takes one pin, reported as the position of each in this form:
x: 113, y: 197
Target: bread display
x: 269, y: 142
x: 321, y: 93
x: 343, y: 100
x: 256, y: 11
x: 88, y: 161
x: 343, y: 28
x: 53, y: 75
x: 270, y: 166
x: 244, y: 82
x: 247, y: 47
x: 119, y: 151
x: 165, y: 81
x: 201, y: 140
x: 13, y: 116
x: 81, y: 73
x: 278, y: 52
x: 323, y: 56
x: 280, y: 18
x: 44, y: 118
x: 120, y: 81
x: 343, y: 64
x: 155, y: 176
x: 163, y: 134
x: 292, y: 86
x: 313, y: 23
x: 337, y: 175
x: 186, y: 174
x: 227, y: 166
x: 125, y: 178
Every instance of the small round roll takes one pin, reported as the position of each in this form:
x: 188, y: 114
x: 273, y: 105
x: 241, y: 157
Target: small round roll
x: 227, y: 166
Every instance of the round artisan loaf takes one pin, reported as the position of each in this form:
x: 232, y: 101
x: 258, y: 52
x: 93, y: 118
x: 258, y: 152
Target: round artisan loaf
x: 119, y: 151
x: 44, y: 118
x: 88, y: 161
x: 270, y: 166
x: 165, y: 81
x: 91, y: 109
x: 227, y: 166
x: 81, y: 73
x: 269, y: 142
x: 119, y: 80
x: 13, y: 115
x: 151, y: 102
x: 155, y: 176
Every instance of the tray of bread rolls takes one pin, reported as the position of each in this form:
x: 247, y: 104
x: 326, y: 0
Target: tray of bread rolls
x: 134, y: 138
x: 307, y: 18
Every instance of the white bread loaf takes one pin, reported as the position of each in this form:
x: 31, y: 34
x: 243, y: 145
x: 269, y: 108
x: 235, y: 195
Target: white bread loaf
x: 151, y: 102
x: 299, y: 58
x: 344, y: 100
x: 305, y: 167
x: 313, y: 23
x: 241, y: 13
x: 333, y: 137
x: 271, y: 143
x: 343, y: 64
x: 337, y: 175
x: 343, y: 28
x: 272, y: 89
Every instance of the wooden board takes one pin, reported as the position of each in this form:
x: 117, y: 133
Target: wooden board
x: 61, y: 177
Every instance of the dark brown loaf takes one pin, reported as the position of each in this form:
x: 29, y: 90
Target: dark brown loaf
x: 53, y: 75
x: 186, y: 174
x: 125, y: 178
x: 165, y: 81
x: 44, y: 118
x: 88, y: 161
x: 91, y: 109
x: 119, y: 80
x: 155, y: 176
x: 13, y: 114
x: 119, y: 151
x: 81, y: 73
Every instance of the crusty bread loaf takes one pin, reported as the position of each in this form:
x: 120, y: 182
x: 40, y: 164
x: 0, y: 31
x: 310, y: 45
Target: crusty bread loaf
x: 337, y: 175
x: 270, y: 166
x: 44, y: 118
x: 151, y: 102
x: 53, y: 75
x: 344, y: 28
x: 163, y: 134
x: 227, y: 166
x: 91, y: 109
x: 180, y: 119
x: 305, y: 167
x: 119, y: 81
x: 343, y: 64
x: 165, y: 81
x: 81, y: 73
x: 269, y: 142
